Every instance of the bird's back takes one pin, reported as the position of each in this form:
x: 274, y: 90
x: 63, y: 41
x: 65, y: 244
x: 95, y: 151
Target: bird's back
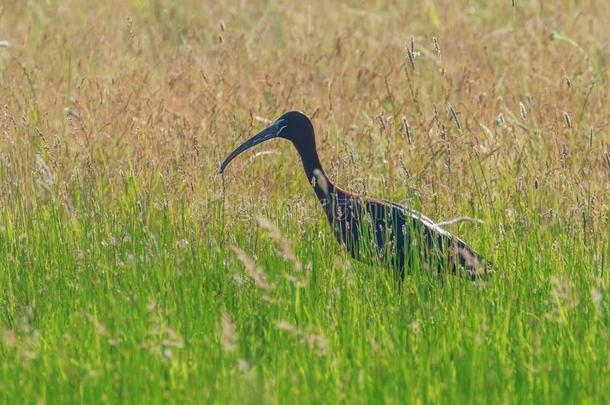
x: 381, y: 232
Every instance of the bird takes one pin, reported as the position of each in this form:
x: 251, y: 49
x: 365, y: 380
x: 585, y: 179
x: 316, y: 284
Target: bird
x: 373, y: 231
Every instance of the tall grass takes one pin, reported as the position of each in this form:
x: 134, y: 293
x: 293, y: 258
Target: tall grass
x: 131, y: 271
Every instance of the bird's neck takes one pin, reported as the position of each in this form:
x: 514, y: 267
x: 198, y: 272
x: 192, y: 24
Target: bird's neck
x: 322, y: 185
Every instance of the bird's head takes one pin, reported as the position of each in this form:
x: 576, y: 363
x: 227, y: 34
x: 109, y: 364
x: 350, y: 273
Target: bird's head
x: 294, y: 126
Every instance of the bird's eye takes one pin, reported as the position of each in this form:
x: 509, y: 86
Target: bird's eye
x: 280, y: 124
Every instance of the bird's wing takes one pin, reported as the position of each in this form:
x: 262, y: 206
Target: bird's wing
x: 408, y: 212
x: 472, y: 262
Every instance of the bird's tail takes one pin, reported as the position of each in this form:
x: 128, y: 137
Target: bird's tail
x: 471, y: 262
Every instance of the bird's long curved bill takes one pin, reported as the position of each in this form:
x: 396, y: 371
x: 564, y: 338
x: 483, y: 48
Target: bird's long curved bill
x: 264, y: 135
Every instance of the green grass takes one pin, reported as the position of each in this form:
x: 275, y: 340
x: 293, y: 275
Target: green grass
x: 123, y: 300
x: 131, y: 271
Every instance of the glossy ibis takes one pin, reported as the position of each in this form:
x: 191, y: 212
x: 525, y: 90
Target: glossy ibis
x: 372, y: 230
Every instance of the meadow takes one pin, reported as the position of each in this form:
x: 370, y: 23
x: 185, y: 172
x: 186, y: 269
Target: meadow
x: 131, y: 271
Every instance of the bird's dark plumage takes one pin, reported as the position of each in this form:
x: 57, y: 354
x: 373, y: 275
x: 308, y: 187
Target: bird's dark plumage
x: 372, y: 230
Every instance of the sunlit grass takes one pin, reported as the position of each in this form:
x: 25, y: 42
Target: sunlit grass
x: 131, y: 271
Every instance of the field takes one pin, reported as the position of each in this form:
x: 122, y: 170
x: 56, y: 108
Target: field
x: 132, y: 271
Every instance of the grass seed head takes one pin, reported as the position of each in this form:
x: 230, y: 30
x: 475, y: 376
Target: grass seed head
x: 252, y: 269
x: 229, y: 333
x: 567, y: 119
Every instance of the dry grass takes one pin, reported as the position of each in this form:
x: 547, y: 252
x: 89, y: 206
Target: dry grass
x: 146, y: 85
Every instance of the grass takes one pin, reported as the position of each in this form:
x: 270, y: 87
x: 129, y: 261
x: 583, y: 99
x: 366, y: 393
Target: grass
x: 131, y: 271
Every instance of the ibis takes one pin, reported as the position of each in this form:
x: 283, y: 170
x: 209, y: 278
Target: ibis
x: 373, y: 231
